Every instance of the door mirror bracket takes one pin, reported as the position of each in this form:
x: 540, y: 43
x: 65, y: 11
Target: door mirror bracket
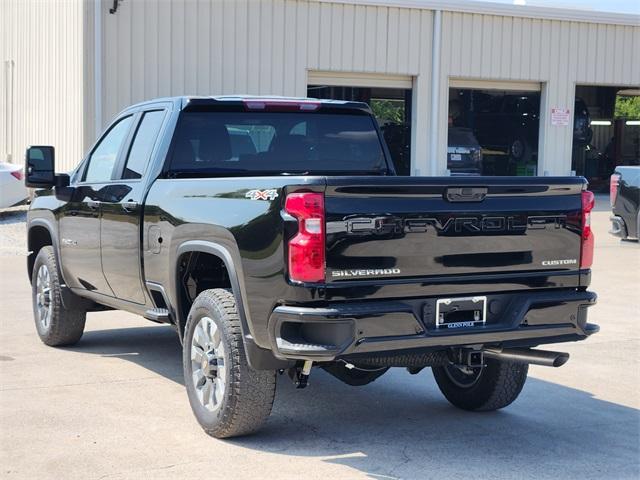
x: 62, y: 180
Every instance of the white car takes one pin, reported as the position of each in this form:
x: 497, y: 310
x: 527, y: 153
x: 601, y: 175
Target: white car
x: 12, y: 189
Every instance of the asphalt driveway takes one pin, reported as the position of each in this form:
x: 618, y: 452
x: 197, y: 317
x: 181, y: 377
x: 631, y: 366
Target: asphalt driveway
x: 114, y: 406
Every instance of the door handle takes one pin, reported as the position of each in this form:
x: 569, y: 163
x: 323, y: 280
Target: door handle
x: 93, y: 204
x: 129, y: 206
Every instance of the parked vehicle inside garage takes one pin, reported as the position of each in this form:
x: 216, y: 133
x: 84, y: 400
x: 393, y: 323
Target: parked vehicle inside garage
x: 509, y: 123
x: 464, y: 153
x: 307, y: 252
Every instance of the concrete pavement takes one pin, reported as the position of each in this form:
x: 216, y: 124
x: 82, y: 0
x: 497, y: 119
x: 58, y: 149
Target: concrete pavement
x: 114, y: 406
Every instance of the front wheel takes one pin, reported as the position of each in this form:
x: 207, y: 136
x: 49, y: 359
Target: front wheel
x: 487, y: 388
x: 56, y: 325
x: 227, y: 396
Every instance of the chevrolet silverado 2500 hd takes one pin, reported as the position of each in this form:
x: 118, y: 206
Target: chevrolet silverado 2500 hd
x: 275, y: 236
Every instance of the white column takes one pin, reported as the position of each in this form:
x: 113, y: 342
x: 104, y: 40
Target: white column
x: 556, y: 141
x: 435, y: 93
x: 420, y: 126
x: 97, y: 66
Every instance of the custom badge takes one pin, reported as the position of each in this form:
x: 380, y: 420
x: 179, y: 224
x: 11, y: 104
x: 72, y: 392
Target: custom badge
x: 564, y: 261
x: 270, y: 194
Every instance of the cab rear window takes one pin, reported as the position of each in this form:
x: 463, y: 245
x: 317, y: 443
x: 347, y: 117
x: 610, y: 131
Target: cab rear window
x: 276, y: 143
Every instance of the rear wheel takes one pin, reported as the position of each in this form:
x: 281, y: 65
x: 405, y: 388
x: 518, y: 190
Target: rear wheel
x: 227, y: 396
x: 56, y: 325
x: 487, y: 388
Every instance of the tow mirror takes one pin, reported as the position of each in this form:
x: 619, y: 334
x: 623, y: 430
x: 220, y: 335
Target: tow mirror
x: 40, y: 167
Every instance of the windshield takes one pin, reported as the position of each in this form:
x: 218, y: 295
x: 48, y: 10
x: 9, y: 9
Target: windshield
x: 276, y: 143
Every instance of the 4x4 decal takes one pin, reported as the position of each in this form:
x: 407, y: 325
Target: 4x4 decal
x: 269, y: 194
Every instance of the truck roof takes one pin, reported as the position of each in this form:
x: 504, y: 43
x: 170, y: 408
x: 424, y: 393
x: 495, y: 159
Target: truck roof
x: 194, y: 102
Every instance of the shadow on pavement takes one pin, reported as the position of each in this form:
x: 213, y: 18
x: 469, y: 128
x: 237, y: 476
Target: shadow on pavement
x: 156, y: 348
x: 401, y: 426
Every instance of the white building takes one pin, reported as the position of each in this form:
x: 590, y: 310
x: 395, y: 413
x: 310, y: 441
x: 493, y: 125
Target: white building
x: 70, y: 66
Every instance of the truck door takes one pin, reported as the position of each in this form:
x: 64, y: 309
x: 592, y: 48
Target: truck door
x: 80, y: 218
x: 122, y: 211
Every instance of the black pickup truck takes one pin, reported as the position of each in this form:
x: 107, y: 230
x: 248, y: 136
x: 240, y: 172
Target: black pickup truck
x: 275, y: 236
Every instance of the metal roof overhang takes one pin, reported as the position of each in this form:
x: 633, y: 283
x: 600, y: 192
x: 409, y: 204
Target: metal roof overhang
x: 505, y: 9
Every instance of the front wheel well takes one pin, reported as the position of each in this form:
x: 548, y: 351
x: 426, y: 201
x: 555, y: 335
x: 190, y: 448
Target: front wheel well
x: 38, y: 237
x: 197, y: 271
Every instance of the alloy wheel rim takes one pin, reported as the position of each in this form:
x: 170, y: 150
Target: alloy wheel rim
x: 208, y: 369
x: 43, y: 296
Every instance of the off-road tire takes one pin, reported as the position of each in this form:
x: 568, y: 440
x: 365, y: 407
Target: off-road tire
x: 499, y: 385
x: 64, y: 326
x: 248, y: 394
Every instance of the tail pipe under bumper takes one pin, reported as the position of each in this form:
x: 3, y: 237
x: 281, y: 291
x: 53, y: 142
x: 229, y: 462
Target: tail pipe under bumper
x: 527, y: 355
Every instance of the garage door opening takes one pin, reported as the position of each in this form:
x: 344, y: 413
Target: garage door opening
x: 493, y: 132
x: 613, y: 135
x: 392, y: 109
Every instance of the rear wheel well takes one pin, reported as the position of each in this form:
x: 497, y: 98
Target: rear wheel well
x: 197, y: 271
x: 38, y: 237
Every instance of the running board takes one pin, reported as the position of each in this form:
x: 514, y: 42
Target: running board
x: 159, y: 315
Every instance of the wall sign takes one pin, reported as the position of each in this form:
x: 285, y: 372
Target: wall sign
x: 560, y: 116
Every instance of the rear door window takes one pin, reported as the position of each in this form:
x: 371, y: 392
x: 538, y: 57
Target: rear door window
x: 143, y: 143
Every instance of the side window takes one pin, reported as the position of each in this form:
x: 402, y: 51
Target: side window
x: 143, y: 143
x: 104, y: 156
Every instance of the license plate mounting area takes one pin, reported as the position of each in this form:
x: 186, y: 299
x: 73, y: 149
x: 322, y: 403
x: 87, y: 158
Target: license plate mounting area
x: 463, y: 312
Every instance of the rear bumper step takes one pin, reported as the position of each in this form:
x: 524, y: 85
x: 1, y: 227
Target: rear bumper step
x: 344, y: 329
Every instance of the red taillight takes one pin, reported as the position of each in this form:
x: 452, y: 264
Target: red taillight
x: 281, y: 105
x: 613, y: 188
x: 17, y: 175
x: 306, y: 249
x: 588, y: 242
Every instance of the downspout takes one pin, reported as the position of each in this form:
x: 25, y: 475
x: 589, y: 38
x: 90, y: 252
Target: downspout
x: 9, y: 94
x: 435, y: 93
x: 97, y: 66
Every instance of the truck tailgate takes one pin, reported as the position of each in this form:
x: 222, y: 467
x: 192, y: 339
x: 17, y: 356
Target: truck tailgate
x: 403, y: 227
